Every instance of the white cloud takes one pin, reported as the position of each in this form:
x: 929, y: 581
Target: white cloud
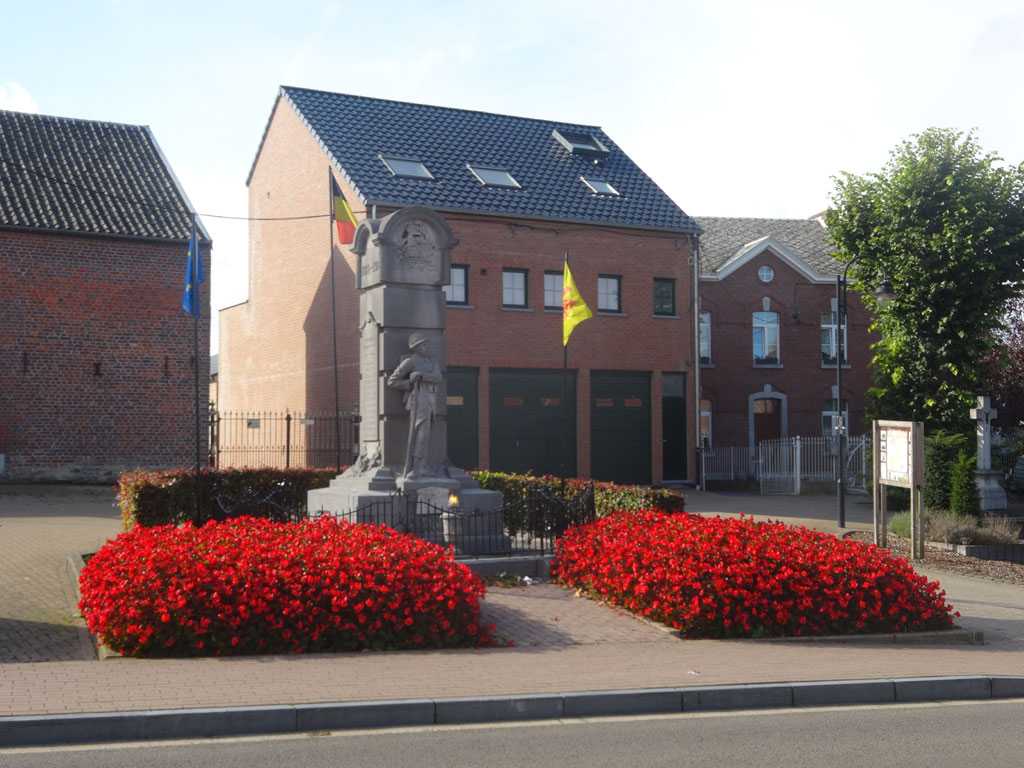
x: 16, y: 98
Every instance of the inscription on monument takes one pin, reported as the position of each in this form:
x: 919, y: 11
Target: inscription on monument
x: 369, y: 383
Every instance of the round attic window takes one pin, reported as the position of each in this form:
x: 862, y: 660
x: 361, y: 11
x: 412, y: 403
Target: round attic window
x: 766, y: 274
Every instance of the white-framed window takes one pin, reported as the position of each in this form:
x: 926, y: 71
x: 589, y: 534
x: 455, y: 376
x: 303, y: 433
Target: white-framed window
x: 457, y: 291
x: 553, y: 290
x: 830, y: 416
x: 493, y: 177
x: 513, y: 288
x: 600, y: 187
x: 406, y: 168
x: 766, y: 274
x: 766, y: 338
x: 704, y: 333
x: 831, y: 333
x: 609, y: 294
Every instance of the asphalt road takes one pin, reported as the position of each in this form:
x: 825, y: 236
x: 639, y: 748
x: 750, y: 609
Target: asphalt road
x: 927, y: 735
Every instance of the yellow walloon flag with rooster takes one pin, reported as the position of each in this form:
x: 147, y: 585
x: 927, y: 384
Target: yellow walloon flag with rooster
x: 574, y: 308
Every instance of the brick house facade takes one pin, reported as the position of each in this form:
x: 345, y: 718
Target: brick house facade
x: 97, y: 373
x: 519, y: 195
x: 767, y: 300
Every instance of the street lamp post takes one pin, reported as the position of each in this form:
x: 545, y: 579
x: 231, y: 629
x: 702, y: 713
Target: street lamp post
x: 883, y: 295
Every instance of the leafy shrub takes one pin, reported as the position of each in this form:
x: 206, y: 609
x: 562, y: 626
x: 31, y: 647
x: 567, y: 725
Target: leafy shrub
x: 252, y: 586
x: 713, y: 577
x: 168, y: 497
x: 940, y: 455
x: 899, y: 524
x: 997, y: 529
x: 963, y: 494
x: 608, y: 497
x: 950, y: 527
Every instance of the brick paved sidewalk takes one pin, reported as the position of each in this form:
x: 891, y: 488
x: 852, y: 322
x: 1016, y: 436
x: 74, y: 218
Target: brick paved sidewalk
x: 562, y: 643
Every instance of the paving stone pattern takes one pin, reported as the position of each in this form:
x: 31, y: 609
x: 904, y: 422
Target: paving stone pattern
x: 562, y: 643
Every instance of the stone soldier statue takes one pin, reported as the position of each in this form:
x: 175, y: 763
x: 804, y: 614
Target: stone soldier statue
x: 418, y: 375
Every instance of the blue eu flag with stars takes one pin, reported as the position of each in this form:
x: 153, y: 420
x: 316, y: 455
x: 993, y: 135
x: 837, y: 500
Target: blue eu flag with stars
x: 194, y: 275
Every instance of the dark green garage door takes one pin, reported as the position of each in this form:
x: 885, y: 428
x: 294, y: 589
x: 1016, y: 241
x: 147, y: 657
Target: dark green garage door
x: 463, y: 418
x: 526, y: 421
x: 620, y: 426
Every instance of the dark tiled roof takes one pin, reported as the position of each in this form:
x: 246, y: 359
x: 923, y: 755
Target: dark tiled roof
x: 83, y: 176
x: 356, y: 130
x: 806, y: 238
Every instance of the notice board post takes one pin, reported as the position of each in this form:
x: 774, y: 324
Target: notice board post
x: 898, y: 460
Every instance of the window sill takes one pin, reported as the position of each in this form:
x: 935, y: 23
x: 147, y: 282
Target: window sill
x: 460, y: 306
x: 553, y: 310
x: 608, y: 313
x: 516, y: 309
x: 707, y: 365
x: 666, y: 317
x: 832, y: 366
x: 767, y: 365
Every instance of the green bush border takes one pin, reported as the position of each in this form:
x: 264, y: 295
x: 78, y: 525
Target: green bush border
x: 608, y: 497
x: 167, y: 497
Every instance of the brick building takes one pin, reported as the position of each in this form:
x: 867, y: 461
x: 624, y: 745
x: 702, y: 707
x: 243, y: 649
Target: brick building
x: 518, y: 195
x: 97, y: 353
x: 768, y: 333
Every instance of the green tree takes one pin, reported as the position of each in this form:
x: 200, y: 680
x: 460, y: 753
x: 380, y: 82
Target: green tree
x: 947, y: 222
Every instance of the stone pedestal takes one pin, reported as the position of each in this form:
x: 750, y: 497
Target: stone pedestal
x: 990, y: 490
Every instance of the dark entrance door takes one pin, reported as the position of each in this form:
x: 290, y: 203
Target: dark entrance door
x: 463, y: 418
x: 767, y: 419
x: 526, y: 421
x: 620, y: 426
x: 673, y: 426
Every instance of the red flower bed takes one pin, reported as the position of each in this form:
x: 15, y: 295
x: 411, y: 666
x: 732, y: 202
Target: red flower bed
x: 714, y: 577
x: 252, y: 586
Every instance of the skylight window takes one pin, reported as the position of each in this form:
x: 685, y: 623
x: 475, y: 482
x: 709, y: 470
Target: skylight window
x: 581, y: 143
x: 600, y: 187
x: 494, y: 177
x: 405, y: 168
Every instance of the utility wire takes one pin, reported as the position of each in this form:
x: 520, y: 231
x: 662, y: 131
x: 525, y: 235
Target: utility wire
x: 155, y: 206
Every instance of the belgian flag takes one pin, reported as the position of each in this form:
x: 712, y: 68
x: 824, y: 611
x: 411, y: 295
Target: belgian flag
x: 343, y: 216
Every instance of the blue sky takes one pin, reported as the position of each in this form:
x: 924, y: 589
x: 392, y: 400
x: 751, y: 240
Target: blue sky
x: 733, y: 108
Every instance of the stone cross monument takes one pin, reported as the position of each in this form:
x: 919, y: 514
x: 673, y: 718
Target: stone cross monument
x: 990, y: 492
x: 402, y: 476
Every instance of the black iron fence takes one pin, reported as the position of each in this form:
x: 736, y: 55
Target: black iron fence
x: 528, y: 526
x: 268, y: 439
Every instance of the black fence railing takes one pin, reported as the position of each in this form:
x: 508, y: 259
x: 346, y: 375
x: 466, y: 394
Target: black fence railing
x: 268, y: 439
x: 529, y: 526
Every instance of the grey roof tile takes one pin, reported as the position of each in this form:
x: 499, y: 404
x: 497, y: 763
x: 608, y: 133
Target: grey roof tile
x: 356, y: 130
x: 807, y: 238
x: 83, y: 176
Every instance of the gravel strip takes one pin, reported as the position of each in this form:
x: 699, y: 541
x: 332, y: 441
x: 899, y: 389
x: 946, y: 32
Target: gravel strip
x: 954, y: 562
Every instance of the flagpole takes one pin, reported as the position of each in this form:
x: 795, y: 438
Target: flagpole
x: 334, y: 325
x: 195, y: 339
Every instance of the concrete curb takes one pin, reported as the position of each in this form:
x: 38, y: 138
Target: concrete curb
x: 38, y: 730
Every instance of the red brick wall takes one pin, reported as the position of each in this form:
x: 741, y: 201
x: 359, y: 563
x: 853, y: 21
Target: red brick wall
x: 275, y: 350
x: 802, y: 377
x: 97, y: 352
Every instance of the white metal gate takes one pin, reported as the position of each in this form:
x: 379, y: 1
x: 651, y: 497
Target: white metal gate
x: 783, y: 466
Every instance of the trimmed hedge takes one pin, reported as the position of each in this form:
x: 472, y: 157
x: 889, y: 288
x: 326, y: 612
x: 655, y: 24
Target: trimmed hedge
x: 608, y: 497
x: 252, y: 586
x: 150, y: 498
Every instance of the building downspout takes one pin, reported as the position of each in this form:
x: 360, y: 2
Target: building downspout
x: 695, y: 256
